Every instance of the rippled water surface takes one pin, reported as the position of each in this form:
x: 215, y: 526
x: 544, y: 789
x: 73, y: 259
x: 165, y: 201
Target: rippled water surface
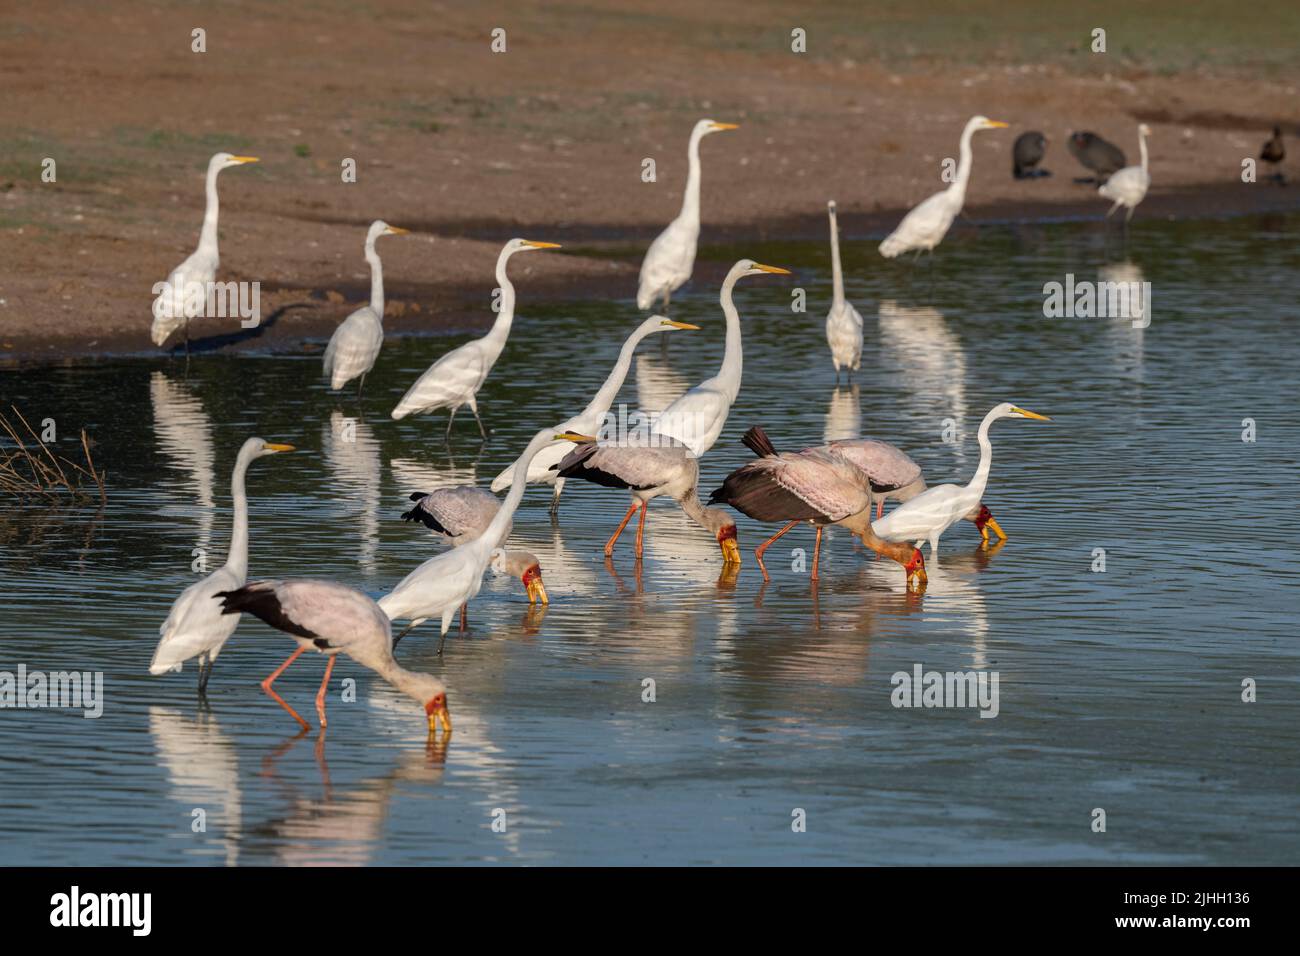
x: 1118, y: 690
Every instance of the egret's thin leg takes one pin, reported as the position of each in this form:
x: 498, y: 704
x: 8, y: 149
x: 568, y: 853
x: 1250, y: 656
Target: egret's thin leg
x: 464, y: 614
x: 450, y: 418
x: 361, y: 383
x: 324, y: 685
x: 555, y: 501
x: 481, y: 430
x: 609, y: 545
x: 205, y: 670
x: 758, y: 552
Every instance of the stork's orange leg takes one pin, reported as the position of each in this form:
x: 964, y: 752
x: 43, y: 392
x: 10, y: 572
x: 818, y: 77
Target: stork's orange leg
x: 640, y: 530
x: 817, y: 552
x: 324, y: 685
x: 266, y: 686
x: 880, y: 507
x: 609, y: 545
x: 758, y: 552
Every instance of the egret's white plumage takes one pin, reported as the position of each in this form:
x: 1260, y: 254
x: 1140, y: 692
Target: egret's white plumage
x: 169, y: 311
x: 455, y: 379
x: 439, y: 586
x: 932, y: 512
x: 355, y: 344
x: 670, y: 259
x: 843, y: 323
x: 332, y: 618
x: 195, y: 627
x: 590, y: 419
x: 925, y: 226
x: 696, y: 419
x: 1129, y: 186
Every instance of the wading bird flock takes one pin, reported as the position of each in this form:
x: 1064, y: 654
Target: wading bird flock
x: 844, y: 483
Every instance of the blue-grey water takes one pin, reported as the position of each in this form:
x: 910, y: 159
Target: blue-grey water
x: 1119, y: 689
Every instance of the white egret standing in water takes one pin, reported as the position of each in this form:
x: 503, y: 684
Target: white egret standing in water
x: 670, y: 259
x: 843, y: 323
x: 355, y: 344
x: 455, y: 379
x: 696, y: 419
x: 589, y: 420
x: 196, y: 627
x: 925, y: 226
x: 200, y: 269
x: 1129, y: 186
x: 935, y: 510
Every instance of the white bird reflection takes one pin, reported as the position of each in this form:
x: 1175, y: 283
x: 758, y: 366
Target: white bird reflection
x: 184, y: 434
x: 932, y: 363
x: 352, y: 454
x: 203, y: 770
x: 1127, y: 332
x: 657, y: 385
x: 843, y: 415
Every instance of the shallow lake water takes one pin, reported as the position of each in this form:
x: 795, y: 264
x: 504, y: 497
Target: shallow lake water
x: 1118, y: 689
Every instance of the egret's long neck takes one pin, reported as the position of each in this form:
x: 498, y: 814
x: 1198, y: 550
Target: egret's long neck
x: 501, y: 327
x: 958, y: 188
x: 208, y: 236
x: 376, y: 278
x: 599, y: 405
x: 732, y: 358
x: 237, y: 559
x: 837, y: 274
x: 691, y: 198
x: 493, y: 537
x: 981, y: 479
x: 1142, y: 146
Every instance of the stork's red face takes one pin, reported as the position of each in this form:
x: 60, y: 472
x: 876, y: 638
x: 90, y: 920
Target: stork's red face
x: 438, y: 713
x: 729, y: 544
x: 984, y: 521
x: 532, y: 579
x: 916, y: 568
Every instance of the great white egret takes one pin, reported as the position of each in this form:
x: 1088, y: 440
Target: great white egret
x: 925, y: 226
x: 843, y: 323
x: 1026, y: 153
x: 463, y: 513
x: 444, y: 583
x: 589, y: 420
x: 455, y: 379
x: 195, y: 627
x: 670, y: 259
x: 354, y: 346
x: 170, y: 310
x: 1129, y: 186
x: 696, y: 419
x: 649, y: 466
x: 935, y: 510
x: 331, y: 618
x: 814, y: 486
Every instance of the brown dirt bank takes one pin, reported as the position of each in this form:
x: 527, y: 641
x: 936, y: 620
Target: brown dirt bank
x: 546, y: 140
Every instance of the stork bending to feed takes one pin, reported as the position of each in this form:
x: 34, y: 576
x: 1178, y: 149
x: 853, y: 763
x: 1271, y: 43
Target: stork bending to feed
x: 455, y: 379
x: 196, y: 627
x: 589, y: 420
x: 172, y: 309
x: 696, y: 419
x: 448, y: 581
x: 332, y: 618
x: 925, y: 226
x: 843, y: 322
x: 649, y: 466
x: 670, y: 259
x: 463, y: 513
x: 1129, y: 186
x: 933, y: 511
x: 814, y: 486
x: 355, y: 344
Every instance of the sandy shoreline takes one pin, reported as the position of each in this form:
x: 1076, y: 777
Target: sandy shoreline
x: 469, y: 148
